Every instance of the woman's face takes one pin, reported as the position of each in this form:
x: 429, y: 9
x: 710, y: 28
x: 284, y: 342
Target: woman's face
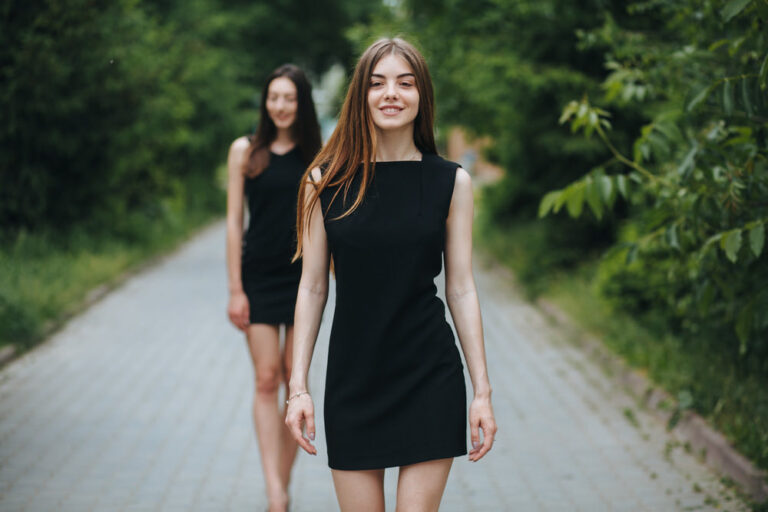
x: 393, y: 98
x: 282, y: 102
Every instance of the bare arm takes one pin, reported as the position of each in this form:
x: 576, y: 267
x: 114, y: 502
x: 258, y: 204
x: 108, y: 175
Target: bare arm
x: 238, y: 309
x: 461, y: 295
x: 310, y: 302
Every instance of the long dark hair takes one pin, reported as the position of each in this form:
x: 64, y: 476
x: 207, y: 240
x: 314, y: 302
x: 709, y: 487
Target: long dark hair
x: 354, y: 140
x: 305, y: 130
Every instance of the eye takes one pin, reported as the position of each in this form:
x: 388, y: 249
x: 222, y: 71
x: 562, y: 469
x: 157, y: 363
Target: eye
x: 406, y: 84
x: 376, y: 83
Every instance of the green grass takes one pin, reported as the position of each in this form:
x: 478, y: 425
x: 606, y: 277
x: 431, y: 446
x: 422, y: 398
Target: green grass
x: 700, y: 372
x: 46, y: 276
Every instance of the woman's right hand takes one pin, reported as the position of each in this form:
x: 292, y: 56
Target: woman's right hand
x: 300, y: 410
x: 239, y: 310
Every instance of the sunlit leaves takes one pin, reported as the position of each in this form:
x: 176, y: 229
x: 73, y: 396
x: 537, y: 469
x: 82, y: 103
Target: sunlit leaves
x: 731, y: 243
x: 584, y: 116
x: 698, y: 97
x: 745, y: 97
x: 621, y: 185
x: 757, y: 239
x: 728, y: 97
x: 699, y: 169
x: 598, y: 190
x: 626, y: 84
x: 732, y: 8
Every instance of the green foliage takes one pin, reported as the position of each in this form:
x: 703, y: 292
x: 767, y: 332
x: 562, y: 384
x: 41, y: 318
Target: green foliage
x: 505, y: 69
x: 109, y: 106
x: 699, y: 169
x: 115, y: 116
x: 45, y: 275
x: 700, y: 369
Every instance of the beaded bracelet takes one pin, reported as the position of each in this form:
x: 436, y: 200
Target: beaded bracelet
x: 297, y: 394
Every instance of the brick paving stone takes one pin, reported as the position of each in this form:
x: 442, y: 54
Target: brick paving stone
x: 142, y: 403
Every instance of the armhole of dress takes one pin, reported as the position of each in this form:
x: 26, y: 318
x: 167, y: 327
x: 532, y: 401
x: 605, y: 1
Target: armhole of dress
x: 450, y: 187
x: 319, y: 196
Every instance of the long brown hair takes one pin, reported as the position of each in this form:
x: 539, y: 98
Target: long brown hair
x: 305, y: 130
x: 354, y: 140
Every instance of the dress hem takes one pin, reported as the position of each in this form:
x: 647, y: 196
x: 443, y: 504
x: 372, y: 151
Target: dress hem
x: 271, y: 322
x: 391, y: 461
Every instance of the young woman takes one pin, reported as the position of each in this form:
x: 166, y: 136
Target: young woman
x: 267, y: 169
x: 381, y: 202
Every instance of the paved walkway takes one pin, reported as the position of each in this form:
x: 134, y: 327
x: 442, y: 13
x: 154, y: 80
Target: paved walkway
x: 142, y: 403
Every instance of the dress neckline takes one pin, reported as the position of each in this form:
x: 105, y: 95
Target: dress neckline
x: 424, y: 157
x: 294, y: 148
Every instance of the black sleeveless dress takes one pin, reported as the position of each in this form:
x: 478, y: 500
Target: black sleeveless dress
x: 394, y: 391
x: 270, y: 280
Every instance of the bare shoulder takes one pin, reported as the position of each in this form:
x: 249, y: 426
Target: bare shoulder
x: 238, y: 153
x: 238, y: 148
x: 463, y: 184
x: 316, y: 174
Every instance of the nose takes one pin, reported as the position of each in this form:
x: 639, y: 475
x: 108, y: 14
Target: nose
x: 391, y: 91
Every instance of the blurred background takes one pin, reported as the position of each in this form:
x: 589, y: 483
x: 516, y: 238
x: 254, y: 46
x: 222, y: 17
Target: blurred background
x: 621, y: 147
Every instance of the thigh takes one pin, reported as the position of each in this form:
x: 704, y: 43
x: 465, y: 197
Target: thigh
x: 264, y: 346
x: 288, y: 352
x: 420, y: 486
x: 359, y: 490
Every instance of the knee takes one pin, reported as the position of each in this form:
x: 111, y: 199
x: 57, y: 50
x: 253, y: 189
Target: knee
x: 267, y: 380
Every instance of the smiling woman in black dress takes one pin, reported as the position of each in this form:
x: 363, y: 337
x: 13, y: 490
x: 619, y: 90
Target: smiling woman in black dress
x: 387, y: 209
x: 266, y: 170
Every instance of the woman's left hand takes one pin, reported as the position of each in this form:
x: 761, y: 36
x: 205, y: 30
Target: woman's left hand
x: 481, y: 418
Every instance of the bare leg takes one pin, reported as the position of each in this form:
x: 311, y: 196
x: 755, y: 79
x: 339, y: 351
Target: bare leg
x: 359, y: 490
x: 264, y: 345
x: 420, y: 486
x: 288, y: 446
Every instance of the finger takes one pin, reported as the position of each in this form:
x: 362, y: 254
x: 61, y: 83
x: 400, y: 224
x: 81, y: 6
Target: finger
x: 311, y: 426
x: 295, y: 428
x: 489, y: 433
x: 302, y: 441
x: 474, y: 426
x: 306, y: 445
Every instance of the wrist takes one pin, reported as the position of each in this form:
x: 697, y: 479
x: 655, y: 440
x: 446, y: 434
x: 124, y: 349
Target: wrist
x: 483, y: 392
x: 235, y: 290
x: 296, y: 395
x: 298, y: 387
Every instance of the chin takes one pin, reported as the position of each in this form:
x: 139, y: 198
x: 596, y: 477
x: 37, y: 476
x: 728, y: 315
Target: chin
x: 392, y: 124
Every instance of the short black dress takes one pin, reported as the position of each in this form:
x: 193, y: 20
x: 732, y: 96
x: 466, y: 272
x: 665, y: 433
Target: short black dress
x: 394, y: 392
x: 270, y: 280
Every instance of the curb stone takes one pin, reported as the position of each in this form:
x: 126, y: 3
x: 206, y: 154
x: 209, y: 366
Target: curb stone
x: 7, y: 353
x: 716, y: 450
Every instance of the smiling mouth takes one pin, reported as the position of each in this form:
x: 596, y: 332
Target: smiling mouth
x: 391, y: 111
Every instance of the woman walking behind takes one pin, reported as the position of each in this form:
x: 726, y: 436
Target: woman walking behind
x: 381, y: 202
x: 266, y: 169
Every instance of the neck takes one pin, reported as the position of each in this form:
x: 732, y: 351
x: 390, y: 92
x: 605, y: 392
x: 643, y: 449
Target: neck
x: 283, y: 139
x: 393, y: 145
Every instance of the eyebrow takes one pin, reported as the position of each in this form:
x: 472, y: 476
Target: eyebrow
x: 401, y: 75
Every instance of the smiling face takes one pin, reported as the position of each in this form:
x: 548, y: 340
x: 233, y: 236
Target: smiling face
x: 393, y: 98
x: 282, y: 102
